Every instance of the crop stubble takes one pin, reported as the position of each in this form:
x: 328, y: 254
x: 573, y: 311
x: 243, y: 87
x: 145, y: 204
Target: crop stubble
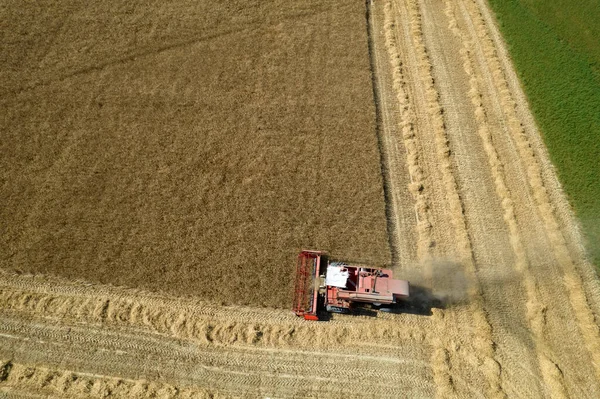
x: 422, y: 135
x: 111, y: 331
x: 505, y: 188
x: 459, y: 129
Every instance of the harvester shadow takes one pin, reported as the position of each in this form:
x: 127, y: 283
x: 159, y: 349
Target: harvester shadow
x: 421, y: 302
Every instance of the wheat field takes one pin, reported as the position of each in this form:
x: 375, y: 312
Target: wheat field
x: 188, y: 148
x: 150, y: 246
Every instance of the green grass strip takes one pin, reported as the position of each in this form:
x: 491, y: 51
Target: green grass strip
x: 563, y: 88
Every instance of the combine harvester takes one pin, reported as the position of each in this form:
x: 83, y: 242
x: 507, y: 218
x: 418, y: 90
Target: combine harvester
x: 338, y: 287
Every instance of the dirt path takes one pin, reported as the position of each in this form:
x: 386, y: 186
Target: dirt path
x: 475, y: 214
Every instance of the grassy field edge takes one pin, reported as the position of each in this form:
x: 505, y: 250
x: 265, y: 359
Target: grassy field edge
x: 564, y: 94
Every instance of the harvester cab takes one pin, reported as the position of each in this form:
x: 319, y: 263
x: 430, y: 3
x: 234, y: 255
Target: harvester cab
x: 338, y: 287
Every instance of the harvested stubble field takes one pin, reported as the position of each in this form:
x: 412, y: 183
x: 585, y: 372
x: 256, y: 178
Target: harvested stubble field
x: 474, y: 212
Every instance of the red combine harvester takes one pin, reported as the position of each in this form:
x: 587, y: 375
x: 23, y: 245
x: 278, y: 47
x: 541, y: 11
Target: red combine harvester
x: 337, y: 286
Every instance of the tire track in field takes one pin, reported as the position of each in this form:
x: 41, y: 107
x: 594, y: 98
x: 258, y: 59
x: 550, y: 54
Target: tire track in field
x: 535, y: 309
x: 135, y: 355
x: 571, y: 278
x: 30, y: 379
x: 256, y: 371
x: 440, y: 353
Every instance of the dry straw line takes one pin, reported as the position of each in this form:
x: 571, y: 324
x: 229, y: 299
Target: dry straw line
x: 386, y: 147
x: 62, y: 383
x: 535, y: 309
x: 440, y: 355
x: 571, y: 278
x: 483, y: 338
x: 407, y: 127
x: 439, y: 129
x: 97, y: 305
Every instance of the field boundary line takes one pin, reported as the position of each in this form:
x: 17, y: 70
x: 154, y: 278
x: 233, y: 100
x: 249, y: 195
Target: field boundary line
x: 572, y: 228
x: 572, y: 279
